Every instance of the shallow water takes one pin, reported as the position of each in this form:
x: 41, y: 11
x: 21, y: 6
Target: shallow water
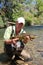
x: 34, y: 29
x: 36, y: 46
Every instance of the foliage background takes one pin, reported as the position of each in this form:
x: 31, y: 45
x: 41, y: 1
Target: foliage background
x: 31, y: 10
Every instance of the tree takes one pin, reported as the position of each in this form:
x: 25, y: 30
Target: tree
x: 15, y: 8
x: 39, y: 7
x: 36, y: 8
x: 12, y: 9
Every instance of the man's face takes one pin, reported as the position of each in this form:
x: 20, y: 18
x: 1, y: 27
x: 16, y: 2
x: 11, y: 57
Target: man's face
x: 19, y: 26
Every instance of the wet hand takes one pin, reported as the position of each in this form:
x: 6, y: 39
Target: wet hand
x: 15, y: 40
x: 27, y: 38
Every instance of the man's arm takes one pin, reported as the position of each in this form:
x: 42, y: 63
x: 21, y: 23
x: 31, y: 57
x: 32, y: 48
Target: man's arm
x: 7, y: 35
x: 10, y: 41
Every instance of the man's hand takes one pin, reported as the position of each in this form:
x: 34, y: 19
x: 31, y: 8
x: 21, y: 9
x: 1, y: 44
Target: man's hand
x: 10, y: 41
x: 15, y: 40
x: 27, y: 38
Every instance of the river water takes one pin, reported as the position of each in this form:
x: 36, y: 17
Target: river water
x: 36, y: 46
x: 34, y: 29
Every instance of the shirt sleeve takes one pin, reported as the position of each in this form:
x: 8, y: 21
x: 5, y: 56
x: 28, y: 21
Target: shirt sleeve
x: 24, y: 31
x: 7, y: 33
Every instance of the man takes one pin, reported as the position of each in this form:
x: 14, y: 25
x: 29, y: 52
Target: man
x: 10, y: 43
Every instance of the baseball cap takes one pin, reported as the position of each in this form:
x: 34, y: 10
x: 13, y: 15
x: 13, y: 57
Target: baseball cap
x: 21, y: 20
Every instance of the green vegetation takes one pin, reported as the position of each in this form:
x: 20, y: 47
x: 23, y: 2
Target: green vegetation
x: 31, y: 10
x: 2, y: 33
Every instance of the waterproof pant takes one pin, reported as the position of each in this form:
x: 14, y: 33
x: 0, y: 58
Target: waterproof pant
x: 11, y: 51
